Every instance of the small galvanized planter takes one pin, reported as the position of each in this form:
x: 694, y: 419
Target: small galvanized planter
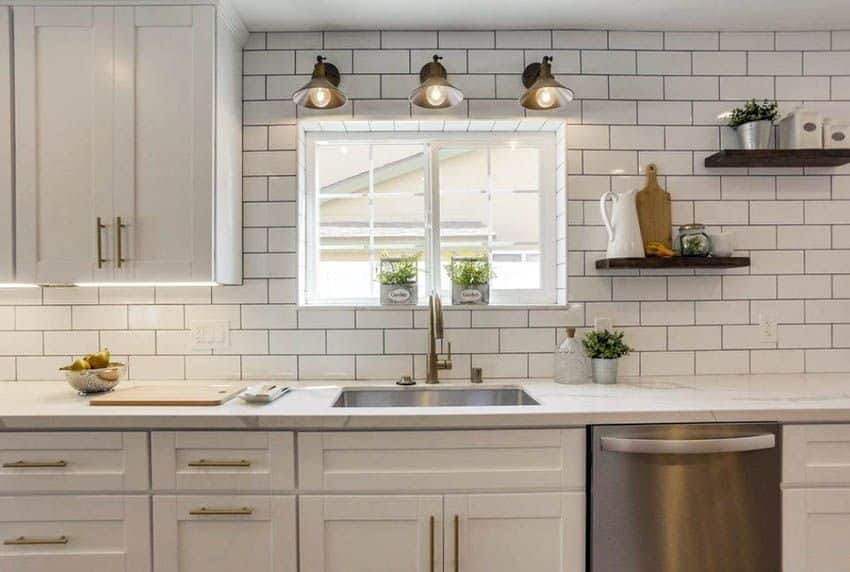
x: 755, y: 134
x: 604, y: 370
x: 478, y: 294
x: 406, y: 294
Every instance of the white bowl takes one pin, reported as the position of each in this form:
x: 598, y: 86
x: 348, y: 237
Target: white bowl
x: 87, y: 381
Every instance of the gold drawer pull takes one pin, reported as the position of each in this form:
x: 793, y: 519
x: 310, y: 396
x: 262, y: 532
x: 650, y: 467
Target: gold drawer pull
x: 35, y: 464
x: 26, y: 540
x: 205, y: 511
x: 213, y: 463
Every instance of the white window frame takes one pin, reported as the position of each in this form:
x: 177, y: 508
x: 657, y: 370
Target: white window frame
x: 545, y: 142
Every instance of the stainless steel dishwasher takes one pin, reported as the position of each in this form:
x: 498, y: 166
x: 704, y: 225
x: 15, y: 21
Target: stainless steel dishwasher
x: 685, y: 498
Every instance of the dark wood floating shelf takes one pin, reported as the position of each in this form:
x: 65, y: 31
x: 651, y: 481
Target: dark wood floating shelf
x: 779, y: 158
x: 674, y: 262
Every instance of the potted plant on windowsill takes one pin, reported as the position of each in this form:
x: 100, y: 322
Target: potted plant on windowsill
x: 470, y: 280
x: 605, y: 348
x: 398, y: 278
x: 753, y: 123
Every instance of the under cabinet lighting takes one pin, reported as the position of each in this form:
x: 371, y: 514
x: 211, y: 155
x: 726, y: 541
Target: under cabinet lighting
x: 142, y: 284
x: 322, y: 91
x: 435, y: 91
x: 13, y: 285
x: 543, y: 91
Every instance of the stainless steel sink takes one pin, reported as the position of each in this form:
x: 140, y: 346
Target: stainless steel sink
x: 436, y: 397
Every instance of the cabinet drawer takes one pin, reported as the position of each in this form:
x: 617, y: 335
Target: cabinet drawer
x: 816, y: 454
x: 223, y: 460
x: 442, y: 460
x: 73, y: 461
x: 75, y: 533
x: 223, y: 533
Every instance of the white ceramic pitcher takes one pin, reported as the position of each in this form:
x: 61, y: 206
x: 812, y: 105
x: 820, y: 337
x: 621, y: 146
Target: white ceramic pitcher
x: 624, y: 239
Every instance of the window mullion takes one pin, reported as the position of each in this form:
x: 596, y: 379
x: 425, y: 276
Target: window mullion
x: 432, y: 193
x: 371, y: 202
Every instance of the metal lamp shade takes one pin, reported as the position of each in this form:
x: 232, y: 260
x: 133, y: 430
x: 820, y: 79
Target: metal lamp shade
x: 435, y: 91
x: 545, y: 92
x: 321, y: 92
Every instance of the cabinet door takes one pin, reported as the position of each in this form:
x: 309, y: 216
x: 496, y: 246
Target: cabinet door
x: 63, y: 136
x: 7, y: 227
x: 814, y: 530
x: 75, y: 534
x: 219, y: 533
x: 370, y: 533
x: 543, y: 532
x: 164, y: 142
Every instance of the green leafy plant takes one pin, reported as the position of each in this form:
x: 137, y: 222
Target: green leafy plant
x: 400, y: 271
x: 754, y: 111
x: 469, y: 272
x: 604, y: 344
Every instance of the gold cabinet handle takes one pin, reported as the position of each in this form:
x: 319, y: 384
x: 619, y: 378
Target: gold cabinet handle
x: 206, y: 511
x: 26, y: 540
x: 98, y: 228
x: 119, y: 227
x: 457, y: 543
x: 35, y: 465
x: 214, y: 463
x: 431, y: 542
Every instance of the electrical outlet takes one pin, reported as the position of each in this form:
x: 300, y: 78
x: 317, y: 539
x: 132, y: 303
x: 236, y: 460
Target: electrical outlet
x: 768, y: 330
x: 602, y: 323
x: 210, y: 335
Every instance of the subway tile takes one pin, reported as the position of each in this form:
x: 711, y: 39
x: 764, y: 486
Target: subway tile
x: 666, y: 313
x: 584, y: 39
x: 269, y: 214
x: 147, y: 317
x: 495, y: 61
x: 663, y: 63
x: 691, y: 88
x: 753, y: 237
x: 749, y: 287
x: 321, y: 318
x: 355, y: 341
x: 157, y: 367
x: 293, y: 40
x: 383, y: 367
x: 571, y: 316
x: 213, y: 367
x: 668, y: 162
x: 128, y: 342
x: 283, y: 188
x: 777, y: 212
x: 804, y: 336
x: 803, y: 187
x: 305, y: 61
x: 606, y: 112
x: 268, y: 62
x: 720, y: 63
x: 841, y: 335
x: 39, y: 318
x: 746, y: 40
x: 267, y: 368
x: 256, y: 41
x: 257, y: 163
x: 253, y: 87
x: 589, y: 288
x: 100, y: 317
x: 33, y: 368
x: 297, y: 342
x: 587, y: 86
x: 384, y: 318
x: 691, y: 41
x: 271, y: 316
x: 531, y: 340
x: 644, y: 339
x: 808, y: 88
x: 744, y: 337
x: 778, y: 311
x: 523, y: 39
x: 804, y: 286
x: 466, y: 39
x: 828, y: 261
x: 721, y: 212
x: 504, y: 366
x: 249, y: 292
x: 632, y: 137
x: 748, y: 188
x: 70, y: 343
x: 692, y: 137
x: 694, y: 287
x: 493, y: 318
x: 326, y: 367
x: 776, y: 361
x: 695, y: 337
x: 127, y: 295
x: 360, y: 39
x: 667, y: 363
x: 825, y: 361
x: 802, y: 40
x: 408, y: 39
x: 828, y: 212
x: 607, y: 62
x: 28, y: 296
x: 809, y: 237
x: 827, y: 311
x: 628, y: 40
x: 610, y: 162
x: 636, y: 87
x: 708, y: 312
x: 620, y: 313
x: 589, y: 136
x: 775, y: 63
x: 841, y: 40
x: 693, y: 188
x: 664, y: 112
x: 841, y: 236
x: 230, y: 313
x: 183, y: 295
x: 21, y: 343
x: 777, y: 262
x: 406, y: 341
x: 267, y: 113
x: 722, y: 362
x: 640, y: 288
x: 563, y: 61
x: 746, y: 87
x: 174, y: 342
x: 466, y: 341
x: 826, y: 63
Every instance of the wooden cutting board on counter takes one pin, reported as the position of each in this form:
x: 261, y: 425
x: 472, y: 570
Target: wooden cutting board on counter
x: 182, y: 395
x: 654, y: 214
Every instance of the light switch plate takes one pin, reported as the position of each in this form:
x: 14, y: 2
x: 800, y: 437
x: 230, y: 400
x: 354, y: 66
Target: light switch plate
x: 210, y: 335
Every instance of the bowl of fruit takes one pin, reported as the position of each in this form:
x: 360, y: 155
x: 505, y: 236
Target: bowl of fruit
x: 94, y: 373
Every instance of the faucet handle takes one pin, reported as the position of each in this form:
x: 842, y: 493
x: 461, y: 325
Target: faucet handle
x: 449, y: 344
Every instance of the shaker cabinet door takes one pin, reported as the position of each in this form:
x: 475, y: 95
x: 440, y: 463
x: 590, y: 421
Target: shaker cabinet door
x: 224, y: 533
x: 63, y: 137
x: 164, y: 179
x: 814, y: 530
x: 7, y: 183
x: 543, y: 532
x: 370, y: 533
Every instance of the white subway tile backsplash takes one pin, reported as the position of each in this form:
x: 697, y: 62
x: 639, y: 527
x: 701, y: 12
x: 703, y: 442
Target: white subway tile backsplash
x: 292, y: 40
x: 722, y: 362
x: 666, y: 313
x: 70, y: 343
x: 467, y: 39
x: 495, y: 366
x: 777, y: 361
x: 691, y: 40
x: 102, y: 317
x: 775, y: 63
x: 571, y: 39
x: 147, y: 317
x: 664, y: 113
x: 691, y: 88
x: 408, y: 39
x: 38, y: 317
x: 667, y: 363
x: 495, y: 61
x: 720, y: 63
x: 157, y: 367
x: 213, y: 367
x: 732, y: 87
x: 826, y: 63
x: 355, y: 341
x: 802, y: 40
x: 607, y: 62
x: 383, y: 367
x: 749, y: 287
x: 636, y: 87
x: 128, y: 342
x: 808, y: 88
x: 625, y: 40
x: 746, y: 40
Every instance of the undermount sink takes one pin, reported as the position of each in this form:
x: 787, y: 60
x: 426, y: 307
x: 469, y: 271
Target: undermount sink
x: 434, y: 397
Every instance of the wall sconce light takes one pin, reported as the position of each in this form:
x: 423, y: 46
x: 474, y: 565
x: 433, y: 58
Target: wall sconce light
x: 321, y: 92
x: 542, y: 90
x: 435, y: 91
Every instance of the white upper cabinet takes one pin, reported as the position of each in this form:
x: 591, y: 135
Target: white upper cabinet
x: 63, y: 142
x: 116, y: 121
x: 7, y: 245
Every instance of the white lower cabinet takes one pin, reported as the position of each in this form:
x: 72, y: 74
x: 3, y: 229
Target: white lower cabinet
x: 224, y: 533
x: 815, y: 525
x: 543, y: 532
x: 75, y: 534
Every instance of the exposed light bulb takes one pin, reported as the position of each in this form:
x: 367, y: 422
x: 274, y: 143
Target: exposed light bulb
x: 320, y: 96
x: 545, y: 98
x: 435, y: 95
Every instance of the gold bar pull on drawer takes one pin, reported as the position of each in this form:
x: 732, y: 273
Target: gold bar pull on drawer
x: 214, y: 463
x: 35, y: 465
x: 27, y: 540
x: 205, y: 511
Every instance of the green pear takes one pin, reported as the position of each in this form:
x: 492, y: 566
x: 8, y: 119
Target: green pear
x: 100, y: 359
x: 79, y: 365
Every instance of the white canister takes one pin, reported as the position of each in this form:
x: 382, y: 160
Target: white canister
x: 722, y: 244
x: 836, y: 134
x: 801, y: 129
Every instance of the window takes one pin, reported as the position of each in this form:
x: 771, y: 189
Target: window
x: 372, y: 195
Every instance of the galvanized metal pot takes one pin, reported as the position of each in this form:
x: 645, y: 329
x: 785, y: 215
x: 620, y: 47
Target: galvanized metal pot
x: 604, y: 370
x: 476, y: 295
x: 755, y: 134
x: 399, y: 294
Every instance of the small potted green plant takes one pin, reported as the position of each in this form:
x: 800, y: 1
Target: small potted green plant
x: 470, y: 280
x: 605, y: 348
x: 398, y: 278
x: 754, y: 123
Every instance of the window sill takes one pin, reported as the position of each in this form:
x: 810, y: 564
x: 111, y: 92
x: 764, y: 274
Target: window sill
x: 446, y: 307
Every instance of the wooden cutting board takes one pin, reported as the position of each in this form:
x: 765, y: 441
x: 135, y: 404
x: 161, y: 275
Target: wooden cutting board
x: 653, y: 206
x: 183, y: 395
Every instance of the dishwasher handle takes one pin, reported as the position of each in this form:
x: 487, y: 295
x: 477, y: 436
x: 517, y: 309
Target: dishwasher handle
x: 688, y: 446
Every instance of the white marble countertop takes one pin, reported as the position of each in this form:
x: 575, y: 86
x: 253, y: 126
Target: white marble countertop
x: 801, y: 398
